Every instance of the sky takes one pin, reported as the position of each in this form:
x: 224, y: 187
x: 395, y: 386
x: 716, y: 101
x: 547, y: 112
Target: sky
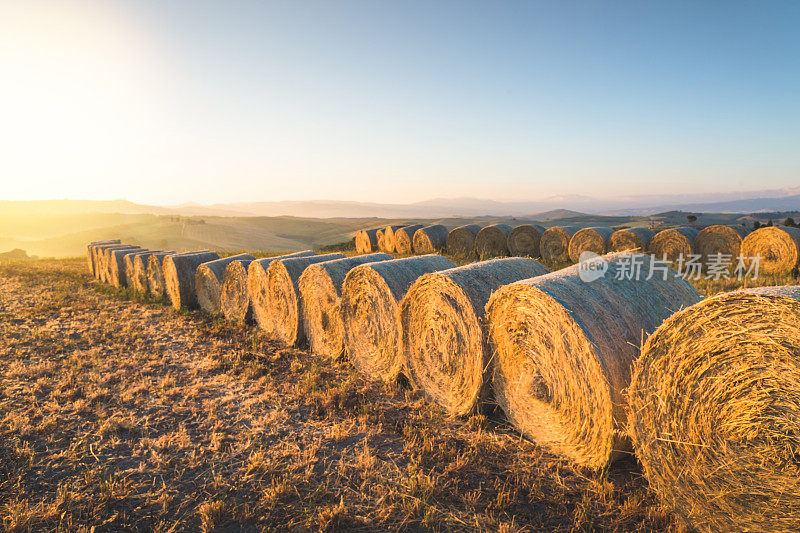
x: 211, y: 102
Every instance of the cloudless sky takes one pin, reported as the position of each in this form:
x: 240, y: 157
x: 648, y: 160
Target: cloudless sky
x: 209, y: 101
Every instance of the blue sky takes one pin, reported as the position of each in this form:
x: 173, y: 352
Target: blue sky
x: 166, y: 102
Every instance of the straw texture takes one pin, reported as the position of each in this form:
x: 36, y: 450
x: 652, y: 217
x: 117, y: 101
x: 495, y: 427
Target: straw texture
x: 130, y: 267
x: 491, y: 241
x: 674, y: 243
x: 778, y: 249
x: 714, y: 405
x: 179, y: 271
x: 116, y: 265
x: 631, y: 240
x: 140, y: 263
x: 718, y: 239
x: 155, y: 273
x: 257, y: 287
x: 443, y: 336
x: 103, y: 262
x: 208, y: 282
x: 430, y: 239
x: 90, y: 258
x: 388, y: 237
x: 563, y: 350
x: 320, y: 288
x: 523, y: 240
x: 404, y: 239
x: 554, y: 244
x: 595, y: 240
x: 370, y: 311
x: 367, y: 241
x: 461, y: 240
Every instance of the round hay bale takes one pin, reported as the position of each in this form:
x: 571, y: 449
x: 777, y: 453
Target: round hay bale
x: 404, y: 239
x: 563, y: 350
x: 714, y: 404
x: 672, y: 244
x: 554, y: 244
x: 379, y: 235
x: 595, y: 240
x: 130, y: 267
x: 441, y: 319
x: 320, y: 302
x: 116, y: 265
x: 388, y: 237
x: 283, y: 302
x: 370, y: 311
x: 778, y: 249
x: 257, y: 287
x: 208, y: 282
x: 491, y: 241
x: 102, y: 262
x: 718, y: 239
x: 90, y: 257
x: 140, y: 263
x: 523, y: 240
x: 461, y: 240
x: 367, y: 241
x: 631, y: 240
x: 430, y: 239
x: 155, y: 273
x: 179, y: 270
x: 235, y: 297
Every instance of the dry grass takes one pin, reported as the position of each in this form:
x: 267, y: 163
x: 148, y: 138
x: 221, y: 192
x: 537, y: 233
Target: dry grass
x: 128, y: 415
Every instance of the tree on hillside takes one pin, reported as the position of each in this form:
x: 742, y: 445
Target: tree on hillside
x: 756, y: 225
x: 789, y: 222
x: 691, y: 218
x: 769, y: 224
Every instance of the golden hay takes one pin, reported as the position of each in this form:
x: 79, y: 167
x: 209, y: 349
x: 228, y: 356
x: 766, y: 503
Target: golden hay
x: 130, y: 267
x: 443, y: 341
x: 388, y: 237
x: 430, y: 239
x: 523, y: 240
x: 714, y: 404
x: 404, y: 239
x: 257, y: 287
x: 367, y: 241
x: 563, y: 349
x: 491, y: 241
x: 283, y: 302
x: 116, y: 265
x: 208, y: 282
x: 672, y: 244
x: 554, y: 244
x: 777, y: 247
x: 155, y: 273
x: 179, y: 272
x: 461, y: 240
x: 139, y: 280
x: 631, y: 240
x: 320, y: 302
x: 370, y: 311
x: 90, y: 258
x: 102, y: 261
x: 595, y: 240
x: 718, y: 239
x: 379, y: 237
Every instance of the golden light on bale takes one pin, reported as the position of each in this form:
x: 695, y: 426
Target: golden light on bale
x: 130, y: 267
x: 367, y: 241
x: 778, y: 249
x: 430, y: 239
x: 257, y: 287
x: 283, y: 302
x: 116, y: 265
x: 208, y: 282
x: 596, y: 240
x: 379, y: 236
x: 443, y: 336
x: 563, y: 350
x: 554, y: 244
x: 102, y: 262
x: 370, y: 306
x: 90, y: 257
x: 631, y: 240
x: 155, y: 273
x: 404, y: 239
x: 673, y: 244
x: 714, y: 405
x: 179, y: 270
x: 388, y: 237
x: 491, y: 241
x: 718, y: 239
x: 320, y: 302
x: 461, y: 240
x: 523, y: 240
x: 139, y: 281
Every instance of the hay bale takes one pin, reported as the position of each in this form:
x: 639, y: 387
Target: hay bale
x: 596, y: 239
x: 208, y: 282
x: 130, y: 267
x: 430, y: 239
x: 777, y: 247
x: 563, y: 350
x: 388, y: 237
x: 367, y: 241
x: 320, y: 289
x: 491, y: 241
x: 257, y: 287
x: 235, y: 297
x: 461, y: 240
x: 370, y: 311
x: 674, y: 243
x: 523, y: 240
x: 554, y: 244
x: 90, y: 258
x: 404, y: 239
x: 138, y: 280
x: 631, y: 240
x: 719, y: 239
x: 283, y: 302
x: 119, y: 273
x: 179, y: 270
x: 102, y: 262
x: 379, y: 235
x: 155, y: 273
x: 443, y: 338
x: 714, y: 404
